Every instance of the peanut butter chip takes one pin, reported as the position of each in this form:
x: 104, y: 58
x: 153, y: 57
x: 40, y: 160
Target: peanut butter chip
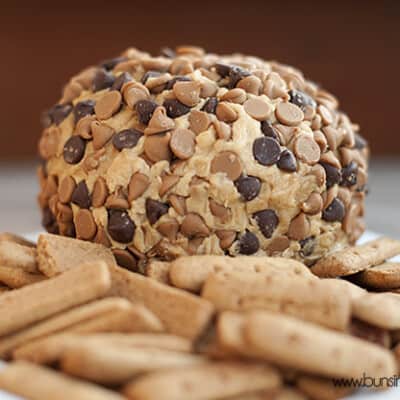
x: 102, y: 238
x: 156, y: 147
x: 108, y: 105
x: 83, y: 127
x: 229, y: 163
x: 66, y: 188
x: 278, y: 245
x: 183, y: 143
x: 226, y: 238
x: 194, y: 226
x: 169, y: 229
x: 187, y: 93
x: 117, y: 201
x: 314, y: 204
x: 325, y: 114
x: 137, y: 186
x: 100, y: 193
x: 225, y: 112
x: 222, y: 129
x: 219, y: 210
x: 178, y: 203
x: 307, y: 149
x: 159, y: 122
x: 258, y: 109
x: 168, y: 181
x: 134, y: 92
x: 85, y: 225
x: 289, y: 114
x: 199, y: 121
x: 101, y: 133
x: 299, y: 228
x: 235, y: 96
x: 251, y: 84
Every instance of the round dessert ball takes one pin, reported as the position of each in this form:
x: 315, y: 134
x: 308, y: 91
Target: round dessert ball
x: 194, y: 153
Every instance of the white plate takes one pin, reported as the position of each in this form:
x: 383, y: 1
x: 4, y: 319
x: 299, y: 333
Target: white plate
x: 393, y: 394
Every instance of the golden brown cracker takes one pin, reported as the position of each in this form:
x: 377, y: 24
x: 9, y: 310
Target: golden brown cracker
x: 16, y: 278
x: 15, y: 255
x: 381, y: 277
x: 158, y: 270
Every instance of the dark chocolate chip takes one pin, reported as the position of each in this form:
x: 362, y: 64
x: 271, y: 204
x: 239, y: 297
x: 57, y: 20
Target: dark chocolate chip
x: 349, y: 174
x: 58, y: 113
x: 235, y: 75
x: 125, y: 259
x: 333, y: 174
x: 307, y: 246
x: 248, y: 186
x: 287, y: 161
x: 175, y: 108
x: 74, y: 150
x: 301, y: 99
x: 83, y: 108
x: 248, y: 243
x: 223, y: 69
x: 335, y: 211
x: 111, y: 63
x: 121, y: 80
x: 120, y: 226
x: 126, y: 139
x: 155, y: 210
x: 150, y: 74
x: 145, y: 109
x: 45, y: 119
x: 81, y: 196
x: 267, y: 221
x: 266, y: 150
x: 49, y: 221
x: 210, y: 105
x: 360, y: 142
x: 268, y: 130
x: 171, y: 83
x: 167, y: 52
x: 102, y: 80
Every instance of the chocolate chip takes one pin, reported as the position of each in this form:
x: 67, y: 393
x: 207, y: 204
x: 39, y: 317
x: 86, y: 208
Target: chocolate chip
x: 349, y: 174
x: 175, y: 108
x: 248, y: 243
x: 360, y: 142
x: 49, y: 221
x: 155, y: 210
x: 301, y: 99
x: 223, y: 69
x: 266, y: 150
x: 248, y: 186
x: 167, y: 52
x: 145, y: 109
x: 112, y: 62
x: 83, y: 108
x: 287, y: 161
x: 126, y: 139
x: 333, y: 174
x: 235, y: 75
x: 171, y: 83
x: 267, y: 221
x: 307, y: 246
x: 74, y: 150
x: 102, y: 80
x: 120, y: 226
x: 150, y: 74
x: 268, y: 130
x: 335, y: 211
x: 58, y: 113
x: 81, y: 196
x: 210, y: 105
x: 125, y: 259
x: 121, y: 80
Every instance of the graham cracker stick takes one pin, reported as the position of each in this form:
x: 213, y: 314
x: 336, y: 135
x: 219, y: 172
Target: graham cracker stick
x: 11, y: 237
x: 158, y: 270
x: 16, y: 255
x: 17, y: 278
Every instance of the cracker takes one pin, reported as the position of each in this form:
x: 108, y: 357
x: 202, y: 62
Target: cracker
x: 22, y: 307
x: 182, y: 313
x: 16, y: 255
x: 381, y: 277
x: 356, y: 259
x: 209, y: 381
x: 37, y: 383
x: 370, y: 333
x: 11, y: 237
x: 190, y: 273
x: 321, y: 388
x: 303, y: 297
x: 158, y: 270
x: 17, y: 278
x: 4, y: 289
x: 57, y: 254
x: 288, y: 394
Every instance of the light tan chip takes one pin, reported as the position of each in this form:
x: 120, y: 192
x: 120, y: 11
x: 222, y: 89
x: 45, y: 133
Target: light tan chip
x: 16, y: 255
x: 309, y: 348
x: 22, y: 307
x: 158, y: 270
x: 306, y: 298
x: 57, y: 254
x: 321, y: 389
x: 17, y: 278
x: 381, y: 277
x: 116, y: 365
x: 11, y: 237
x: 356, y: 259
x: 190, y: 273
x: 183, y: 314
x: 209, y: 381
x: 37, y: 383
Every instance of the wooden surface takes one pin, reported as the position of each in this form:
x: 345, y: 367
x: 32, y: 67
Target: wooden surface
x: 351, y: 47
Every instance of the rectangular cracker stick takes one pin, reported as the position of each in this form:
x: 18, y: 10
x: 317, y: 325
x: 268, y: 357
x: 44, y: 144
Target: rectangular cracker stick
x: 57, y: 254
x: 190, y: 273
x: 304, y: 297
x: 22, y: 307
x: 17, y: 278
x: 37, y: 383
x: 356, y: 259
x: 209, y: 381
x: 11, y: 237
x: 309, y: 348
x: 158, y: 270
x: 16, y: 255
x: 321, y: 388
x: 381, y: 277
x: 182, y: 313
x: 115, y: 365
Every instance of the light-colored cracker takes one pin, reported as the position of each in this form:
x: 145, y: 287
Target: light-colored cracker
x: 37, y: 383
x: 16, y: 255
x: 303, y: 297
x: 57, y: 254
x: 17, y: 278
x: 370, y: 333
x: 288, y: 394
x: 22, y: 307
x: 182, y: 313
x: 321, y: 389
x: 208, y: 381
x: 116, y: 365
x: 4, y: 289
x: 11, y: 237
x: 158, y: 270
x: 190, y: 273
x: 381, y: 277
x: 356, y: 259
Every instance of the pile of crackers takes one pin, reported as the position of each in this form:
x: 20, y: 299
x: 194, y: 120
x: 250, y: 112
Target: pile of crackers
x: 74, y: 325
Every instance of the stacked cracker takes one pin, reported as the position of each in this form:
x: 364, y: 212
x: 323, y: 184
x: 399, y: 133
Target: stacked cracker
x: 201, y: 327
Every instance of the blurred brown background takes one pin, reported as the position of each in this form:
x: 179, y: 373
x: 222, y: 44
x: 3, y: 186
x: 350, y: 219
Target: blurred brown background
x: 351, y: 47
